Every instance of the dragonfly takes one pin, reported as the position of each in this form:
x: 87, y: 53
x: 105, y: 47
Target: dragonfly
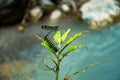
x: 51, y: 28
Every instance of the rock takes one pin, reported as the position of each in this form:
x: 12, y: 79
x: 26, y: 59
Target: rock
x: 65, y: 8
x: 100, y: 14
x: 36, y: 13
x: 12, y: 11
x: 56, y: 14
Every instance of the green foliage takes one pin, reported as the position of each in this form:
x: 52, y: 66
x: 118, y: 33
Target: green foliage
x: 65, y: 35
x: 75, y: 36
x: 71, y: 39
x: 72, y: 48
x: 57, y: 37
x: 59, y: 55
x: 46, y: 44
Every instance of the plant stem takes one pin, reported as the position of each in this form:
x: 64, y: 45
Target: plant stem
x: 57, y: 75
x: 57, y: 70
x: 58, y: 66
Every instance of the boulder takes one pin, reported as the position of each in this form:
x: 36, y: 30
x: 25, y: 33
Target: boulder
x: 12, y: 11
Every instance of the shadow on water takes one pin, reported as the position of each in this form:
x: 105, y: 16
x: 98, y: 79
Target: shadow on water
x: 21, y: 53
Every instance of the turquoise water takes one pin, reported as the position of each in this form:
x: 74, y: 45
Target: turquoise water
x: 102, y: 44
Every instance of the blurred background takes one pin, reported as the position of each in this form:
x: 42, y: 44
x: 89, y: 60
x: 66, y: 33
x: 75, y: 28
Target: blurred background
x: 21, y: 53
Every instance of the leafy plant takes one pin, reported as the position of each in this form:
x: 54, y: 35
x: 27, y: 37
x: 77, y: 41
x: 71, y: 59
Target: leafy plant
x: 59, y: 52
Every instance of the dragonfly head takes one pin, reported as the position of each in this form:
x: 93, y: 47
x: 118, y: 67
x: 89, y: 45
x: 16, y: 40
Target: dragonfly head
x: 56, y: 28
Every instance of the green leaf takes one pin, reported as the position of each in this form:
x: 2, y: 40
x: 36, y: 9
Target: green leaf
x: 70, y: 49
x: 57, y: 37
x: 51, y: 58
x: 71, y: 39
x: 65, y: 35
x: 75, y: 36
x: 47, y: 45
